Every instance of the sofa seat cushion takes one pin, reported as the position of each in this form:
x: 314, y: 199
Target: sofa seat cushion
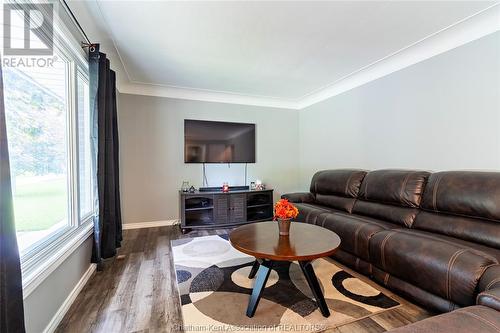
x: 310, y: 213
x: 471, y: 319
x: 355, y: 231
x: 447, y: 269
x: 424, y: 298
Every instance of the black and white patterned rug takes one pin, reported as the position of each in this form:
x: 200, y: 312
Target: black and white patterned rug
x: 214, y: 290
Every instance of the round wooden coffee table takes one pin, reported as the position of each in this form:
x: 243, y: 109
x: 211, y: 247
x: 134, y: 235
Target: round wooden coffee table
x: 305, y: 243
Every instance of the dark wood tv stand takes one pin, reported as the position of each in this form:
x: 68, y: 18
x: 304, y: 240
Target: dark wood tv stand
x: 215, y: 209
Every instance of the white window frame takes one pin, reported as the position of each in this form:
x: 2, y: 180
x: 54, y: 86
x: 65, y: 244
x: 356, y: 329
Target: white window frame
x: 40, y: 259
x: 83, y: 75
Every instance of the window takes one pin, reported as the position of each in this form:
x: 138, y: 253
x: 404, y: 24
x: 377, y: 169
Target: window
x: 36, y: 105
x: 84, y: 148
x: 48, y: 129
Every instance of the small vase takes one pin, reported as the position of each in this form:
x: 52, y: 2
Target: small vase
x: 284, y: 226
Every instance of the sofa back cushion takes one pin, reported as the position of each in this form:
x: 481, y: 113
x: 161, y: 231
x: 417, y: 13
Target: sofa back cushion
x: 463, y: 204
x: 337, y: 188
x: 391, y: 195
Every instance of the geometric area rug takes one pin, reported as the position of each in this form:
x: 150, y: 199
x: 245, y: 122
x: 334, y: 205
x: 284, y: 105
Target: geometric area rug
x: 214, y: 290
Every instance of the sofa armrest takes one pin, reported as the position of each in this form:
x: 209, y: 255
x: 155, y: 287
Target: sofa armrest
x: 490, y: 278
x: 298, y: 197
x: 490, y: 298
x: 489, y: 288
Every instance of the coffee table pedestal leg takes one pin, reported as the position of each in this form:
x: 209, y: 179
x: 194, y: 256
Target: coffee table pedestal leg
x: 264, y: 269
x: 308, y: 271
x: 254, y: 269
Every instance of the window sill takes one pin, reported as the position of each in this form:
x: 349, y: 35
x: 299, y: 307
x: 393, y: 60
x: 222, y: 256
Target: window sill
x: 48, y: 263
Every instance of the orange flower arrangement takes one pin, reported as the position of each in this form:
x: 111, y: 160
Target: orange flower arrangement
x: 285, y: 210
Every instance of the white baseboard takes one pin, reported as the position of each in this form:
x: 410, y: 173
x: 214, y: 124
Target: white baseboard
x: 31, y: 280
x: 152, y: 224
x: 56, y: 320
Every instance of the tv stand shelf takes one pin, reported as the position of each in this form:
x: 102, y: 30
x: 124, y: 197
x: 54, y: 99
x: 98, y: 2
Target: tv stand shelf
x: 216, y: 209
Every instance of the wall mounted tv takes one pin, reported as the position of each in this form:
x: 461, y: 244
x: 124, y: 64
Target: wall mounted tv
x: 218, y: 142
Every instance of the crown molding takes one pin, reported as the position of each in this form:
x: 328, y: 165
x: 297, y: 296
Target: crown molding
x: 204, y: 95
x: 462, y: 32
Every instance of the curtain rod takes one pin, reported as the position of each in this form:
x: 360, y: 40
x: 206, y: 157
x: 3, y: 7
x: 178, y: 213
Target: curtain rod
x: 70, y: 12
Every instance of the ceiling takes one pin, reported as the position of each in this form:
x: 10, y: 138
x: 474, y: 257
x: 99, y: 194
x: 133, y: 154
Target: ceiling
x: 281, y: 50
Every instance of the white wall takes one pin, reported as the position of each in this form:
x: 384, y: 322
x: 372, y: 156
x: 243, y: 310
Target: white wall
x: 44, y: 302
x: 440, y: 114
x: 152, y: 164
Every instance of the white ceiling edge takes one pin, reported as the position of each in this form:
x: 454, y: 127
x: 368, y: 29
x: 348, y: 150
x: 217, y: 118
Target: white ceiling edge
x: 203, y: 95
x: 465, y: 31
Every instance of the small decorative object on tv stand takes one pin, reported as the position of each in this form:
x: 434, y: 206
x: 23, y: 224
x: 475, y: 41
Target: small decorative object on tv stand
x: 259, y: 185
x: 212, y: 208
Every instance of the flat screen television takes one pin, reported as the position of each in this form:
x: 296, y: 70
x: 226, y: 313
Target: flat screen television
x: 218, y: 142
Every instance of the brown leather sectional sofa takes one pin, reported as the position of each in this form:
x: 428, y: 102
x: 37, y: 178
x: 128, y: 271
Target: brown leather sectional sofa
x: 433, y: 238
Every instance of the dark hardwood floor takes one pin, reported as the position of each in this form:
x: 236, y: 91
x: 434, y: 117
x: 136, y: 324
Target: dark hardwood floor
x: 137, y: 292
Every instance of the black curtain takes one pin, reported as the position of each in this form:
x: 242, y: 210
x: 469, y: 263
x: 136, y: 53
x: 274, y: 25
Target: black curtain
x: 11, y: 286
x: 108, y: 223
